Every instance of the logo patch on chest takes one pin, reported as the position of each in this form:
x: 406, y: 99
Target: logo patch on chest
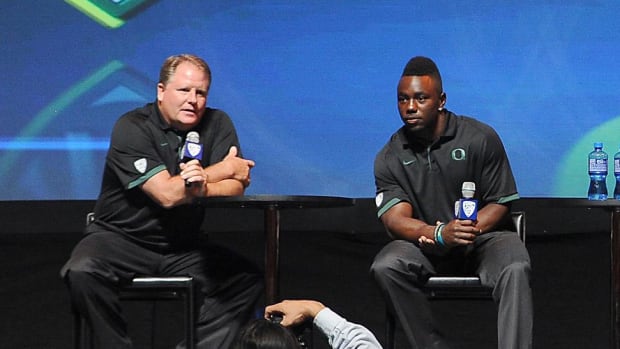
x: 458, y: 154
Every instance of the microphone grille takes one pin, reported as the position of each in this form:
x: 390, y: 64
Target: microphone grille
x: 193, y: 137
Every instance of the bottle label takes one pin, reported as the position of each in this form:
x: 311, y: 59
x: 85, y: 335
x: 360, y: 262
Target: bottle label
x: 597, y: 165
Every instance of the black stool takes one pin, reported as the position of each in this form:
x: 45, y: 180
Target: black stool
x: 147, y: 288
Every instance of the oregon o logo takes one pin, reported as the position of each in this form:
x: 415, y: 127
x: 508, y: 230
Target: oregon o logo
x: 459, y: 154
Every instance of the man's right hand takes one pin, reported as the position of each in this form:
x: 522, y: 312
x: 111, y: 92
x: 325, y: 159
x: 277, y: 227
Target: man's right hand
x: 294, y: 312
x: 458, y: 232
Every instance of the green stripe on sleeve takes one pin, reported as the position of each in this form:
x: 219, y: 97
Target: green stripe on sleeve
x: 388, y: 206
x: 510, y: 198
x: 146, y: 176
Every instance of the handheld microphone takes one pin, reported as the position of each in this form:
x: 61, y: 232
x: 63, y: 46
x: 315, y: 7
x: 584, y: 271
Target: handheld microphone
x: 467, y: 207
x: 192, y: 149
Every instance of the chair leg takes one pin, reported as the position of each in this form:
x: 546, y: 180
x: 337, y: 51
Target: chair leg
x: 389, y: 330
x: 153, y: 323
x: 82, y: 337
x: 190, y: 318
x: 77, y: 330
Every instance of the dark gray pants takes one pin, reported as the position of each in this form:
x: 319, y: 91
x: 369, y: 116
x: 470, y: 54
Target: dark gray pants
x: 228, y: 286
x: 499, y: 258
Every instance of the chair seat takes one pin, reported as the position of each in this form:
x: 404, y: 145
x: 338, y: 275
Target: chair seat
x: 455, y: 287
x: 453, y: 281
x: 164, y: 282
x: 157, y: 288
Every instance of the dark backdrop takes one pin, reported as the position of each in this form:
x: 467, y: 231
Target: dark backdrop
x: 325, y: 255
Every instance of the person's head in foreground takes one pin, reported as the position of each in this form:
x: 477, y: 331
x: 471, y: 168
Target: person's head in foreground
x: 265, y: 334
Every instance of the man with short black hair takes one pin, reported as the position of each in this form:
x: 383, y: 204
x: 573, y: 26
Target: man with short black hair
x: 418, y: 175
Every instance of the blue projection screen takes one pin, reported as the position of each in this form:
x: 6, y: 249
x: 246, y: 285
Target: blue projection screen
x: 310, y: 85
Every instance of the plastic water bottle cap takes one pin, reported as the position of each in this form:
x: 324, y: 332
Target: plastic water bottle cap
x: 598, y: 145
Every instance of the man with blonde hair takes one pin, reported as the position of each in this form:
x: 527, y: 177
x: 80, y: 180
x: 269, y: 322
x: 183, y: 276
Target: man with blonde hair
x: 146, y: 221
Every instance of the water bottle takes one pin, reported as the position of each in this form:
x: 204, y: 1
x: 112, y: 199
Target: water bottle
x: 617, y: 174
x: 597, y: 169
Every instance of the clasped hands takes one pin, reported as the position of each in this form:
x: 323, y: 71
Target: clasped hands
x: 231, y: 167
x: 454, y: 233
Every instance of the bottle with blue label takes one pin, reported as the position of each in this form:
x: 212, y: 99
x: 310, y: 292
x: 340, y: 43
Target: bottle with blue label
x: 597, y: 169
x: 617, y: 174
x: 467, y: 207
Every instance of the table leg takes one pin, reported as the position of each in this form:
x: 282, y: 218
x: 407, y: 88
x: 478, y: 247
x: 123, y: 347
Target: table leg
x: 615, y: 277
x: 272, y: 254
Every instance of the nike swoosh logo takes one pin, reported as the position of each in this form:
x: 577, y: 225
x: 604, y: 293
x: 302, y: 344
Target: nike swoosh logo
x: 406, y: 163
x: 163, y: 144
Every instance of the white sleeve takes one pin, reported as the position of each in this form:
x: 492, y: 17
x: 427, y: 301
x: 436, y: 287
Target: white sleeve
x: 342, y: 334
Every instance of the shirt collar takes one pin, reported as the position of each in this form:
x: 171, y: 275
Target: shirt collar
x: 451, y: 121
x: 158, y: 119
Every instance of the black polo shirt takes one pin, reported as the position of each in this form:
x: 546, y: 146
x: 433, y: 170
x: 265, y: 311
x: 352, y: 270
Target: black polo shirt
x: 430, y: 177
x: 143, y: 144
